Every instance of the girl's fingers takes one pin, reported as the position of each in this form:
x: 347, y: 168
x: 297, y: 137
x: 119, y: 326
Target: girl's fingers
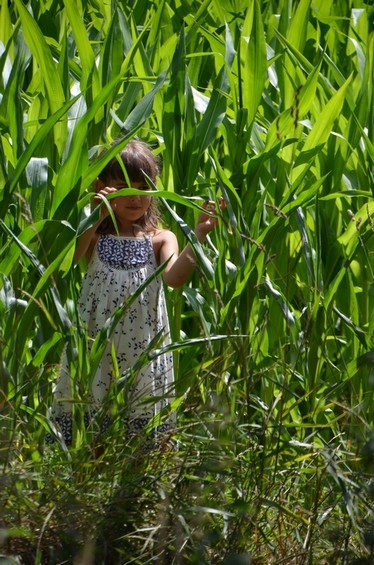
x: 210, y: 206
x: 104, y: 192
x: 107, y: 190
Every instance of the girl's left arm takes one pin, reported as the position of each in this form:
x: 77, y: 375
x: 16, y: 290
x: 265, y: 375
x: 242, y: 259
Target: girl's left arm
x: 180, y: 267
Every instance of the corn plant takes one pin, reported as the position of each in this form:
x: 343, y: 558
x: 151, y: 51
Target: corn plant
x: 270, y: 105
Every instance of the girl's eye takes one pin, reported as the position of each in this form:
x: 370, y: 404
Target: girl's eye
x: 145, y: 187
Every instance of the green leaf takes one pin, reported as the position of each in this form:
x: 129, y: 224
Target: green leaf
x: 37, y: 176
x: 45, y: 277
x: 253, y: 61
x: 320, y: 132
x: 84, y: 48
x: 38, y: 139
x: 286, y: 123
x: 49, y: 72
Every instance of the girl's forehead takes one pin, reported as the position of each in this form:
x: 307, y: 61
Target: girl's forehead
x: 124, y: 183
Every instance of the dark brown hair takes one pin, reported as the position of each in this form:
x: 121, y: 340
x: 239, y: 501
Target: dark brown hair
x: 138, y: 160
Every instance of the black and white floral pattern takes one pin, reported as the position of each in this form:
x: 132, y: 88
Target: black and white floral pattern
x: 118, y: 267
x: 125, y: 254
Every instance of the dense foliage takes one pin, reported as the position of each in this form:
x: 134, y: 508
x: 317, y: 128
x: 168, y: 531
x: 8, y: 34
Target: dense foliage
x: 270, y: 104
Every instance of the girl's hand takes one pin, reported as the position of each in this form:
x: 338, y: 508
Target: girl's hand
x: 206, y: 222
x: 97, y: 200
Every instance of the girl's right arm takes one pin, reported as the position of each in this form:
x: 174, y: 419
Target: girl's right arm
x: 88, y: 239
x: 86, y: 243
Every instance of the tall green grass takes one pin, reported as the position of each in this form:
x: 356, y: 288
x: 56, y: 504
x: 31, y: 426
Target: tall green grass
x: 269, y: 104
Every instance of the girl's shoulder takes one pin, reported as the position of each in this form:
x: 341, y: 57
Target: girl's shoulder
x: 164, y: 240
x: 162, y: 234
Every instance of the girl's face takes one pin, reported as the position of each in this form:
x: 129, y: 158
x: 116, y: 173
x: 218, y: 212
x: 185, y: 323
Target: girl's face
x: 130, y: 208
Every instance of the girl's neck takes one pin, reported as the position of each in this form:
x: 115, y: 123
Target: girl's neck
x: 129, y: 230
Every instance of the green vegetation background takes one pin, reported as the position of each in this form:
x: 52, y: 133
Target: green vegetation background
x: 269, y: 104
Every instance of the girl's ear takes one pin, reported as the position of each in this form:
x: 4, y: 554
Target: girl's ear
x: 99, y: 185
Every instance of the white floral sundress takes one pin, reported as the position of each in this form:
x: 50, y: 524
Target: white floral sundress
x: 118, y: 267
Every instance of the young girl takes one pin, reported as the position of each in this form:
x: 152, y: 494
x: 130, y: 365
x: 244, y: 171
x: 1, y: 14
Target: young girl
x: 121, y: 258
